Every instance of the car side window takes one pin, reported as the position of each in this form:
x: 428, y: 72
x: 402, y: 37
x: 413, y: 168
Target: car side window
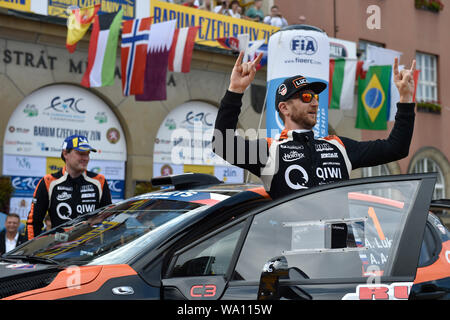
x: 209, y: 257
x: 428, y: 251
x: 337, y: 233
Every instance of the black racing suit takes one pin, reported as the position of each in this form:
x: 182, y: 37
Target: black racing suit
x: 66, y: 198
x: 297, y: 160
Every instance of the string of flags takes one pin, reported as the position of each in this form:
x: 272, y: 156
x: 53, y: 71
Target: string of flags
x: 147, y: 51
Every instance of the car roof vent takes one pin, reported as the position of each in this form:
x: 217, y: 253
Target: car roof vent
x: 185, y: 181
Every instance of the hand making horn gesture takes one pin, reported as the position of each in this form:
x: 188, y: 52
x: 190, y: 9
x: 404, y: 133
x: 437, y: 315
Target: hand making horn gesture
x: 404, y: 80
x: 243, y: 73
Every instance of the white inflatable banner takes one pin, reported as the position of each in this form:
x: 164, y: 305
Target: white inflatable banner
x: 297, y: 50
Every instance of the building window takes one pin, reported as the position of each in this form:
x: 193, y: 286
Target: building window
x: 427, y: 90
x: 427, y: 165
x: 376, y: 171
x: 362, y: 48
x: 381, y: 170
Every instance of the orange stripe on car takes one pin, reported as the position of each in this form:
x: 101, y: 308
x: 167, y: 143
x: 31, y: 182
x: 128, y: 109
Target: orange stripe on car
x: 376, y: 222
x: 375, y: 199
x: 68, y: 283
x: 439, y: 269
x: 261, y: 191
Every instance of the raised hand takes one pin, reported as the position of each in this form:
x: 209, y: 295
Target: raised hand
x: 404, y: 81
x: 243, y: 73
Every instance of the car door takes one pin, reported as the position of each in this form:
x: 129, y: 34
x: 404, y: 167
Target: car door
x: 198, y: 270
x: 358, y: 239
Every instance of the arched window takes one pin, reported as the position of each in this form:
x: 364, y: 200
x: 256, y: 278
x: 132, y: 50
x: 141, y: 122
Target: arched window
x: 428, y: 165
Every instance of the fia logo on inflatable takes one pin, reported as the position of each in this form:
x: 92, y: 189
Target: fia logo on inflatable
x: 303, y: 45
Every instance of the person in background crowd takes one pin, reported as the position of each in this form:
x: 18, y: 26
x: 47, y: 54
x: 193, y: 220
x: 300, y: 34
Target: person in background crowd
x: 191, y: 4
x: 222, y: 8
x: 255, y: 13
x: 71, y: 191
x: 207, y: 5
x: 302, y: 19
x: 275, y: 18
x: 10, y: 236
x: 47, y: 222
x: 235, y: 9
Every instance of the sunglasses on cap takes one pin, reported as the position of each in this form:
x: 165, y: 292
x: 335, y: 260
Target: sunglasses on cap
x: 307, y: 97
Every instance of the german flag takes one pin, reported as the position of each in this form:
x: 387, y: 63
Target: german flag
x: 78, y: 23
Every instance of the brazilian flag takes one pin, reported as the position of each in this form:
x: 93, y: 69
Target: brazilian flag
x: 374, y: 98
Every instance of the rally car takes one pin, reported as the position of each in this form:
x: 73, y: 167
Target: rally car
x: 199, y: 239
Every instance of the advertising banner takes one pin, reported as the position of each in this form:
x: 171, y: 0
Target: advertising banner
x: 42, y: 121
x: 183, y: 143
x: 342, y: 49
x: 59, y: 8
x: 22, y: 5
x: 297, y: 50
x: 34, y: 6
x: 21, y: 206
x: 212, y: 25
x: 18, y: 165
x: 24, y: 186
x: 114, y: 172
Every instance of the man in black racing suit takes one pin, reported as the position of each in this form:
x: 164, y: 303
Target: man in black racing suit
x: 298, y: 160
x: 69, y: 192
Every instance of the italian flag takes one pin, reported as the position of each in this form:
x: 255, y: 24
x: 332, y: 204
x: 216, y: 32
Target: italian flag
x: 342, y: 84
x: 103, y: 50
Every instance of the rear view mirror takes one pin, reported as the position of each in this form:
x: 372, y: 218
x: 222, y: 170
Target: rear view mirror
x: 273, y: 270
x: 269, y: 286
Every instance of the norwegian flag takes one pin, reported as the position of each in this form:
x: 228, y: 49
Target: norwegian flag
x: 135, y: 34
x: 180, y: 54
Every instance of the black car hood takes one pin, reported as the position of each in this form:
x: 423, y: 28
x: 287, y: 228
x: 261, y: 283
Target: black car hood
x: 19, y: 268
x: 18, y: 277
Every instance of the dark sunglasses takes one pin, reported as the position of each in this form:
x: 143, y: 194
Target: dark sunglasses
x: 307, y: 97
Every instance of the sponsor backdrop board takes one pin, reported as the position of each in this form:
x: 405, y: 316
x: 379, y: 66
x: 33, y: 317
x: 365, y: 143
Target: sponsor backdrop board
x: 297, y: 50
x: 19, y: 165
x: 183, y: 144
x: 47, y: 116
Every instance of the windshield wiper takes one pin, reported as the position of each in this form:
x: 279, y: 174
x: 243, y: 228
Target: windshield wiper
x: 33, y: 259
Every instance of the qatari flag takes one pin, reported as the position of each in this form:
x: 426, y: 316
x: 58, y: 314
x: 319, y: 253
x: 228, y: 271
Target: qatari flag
x: 159, y: 44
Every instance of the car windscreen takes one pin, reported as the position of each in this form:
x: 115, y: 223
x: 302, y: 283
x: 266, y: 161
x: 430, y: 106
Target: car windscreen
x: 90, y: 237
